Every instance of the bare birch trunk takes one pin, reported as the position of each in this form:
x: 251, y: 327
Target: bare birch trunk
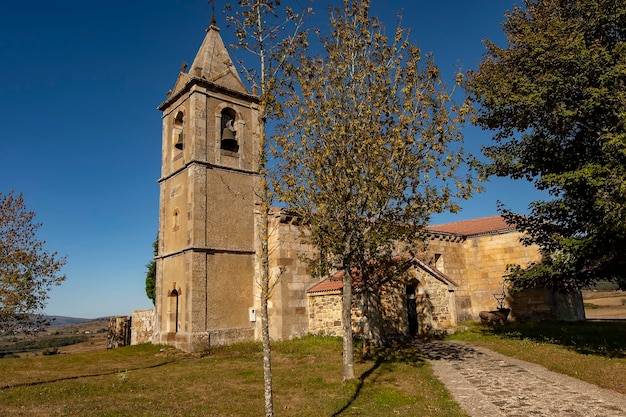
x: 265, y: 290
x: 265, y: 276
x: 346, y: 322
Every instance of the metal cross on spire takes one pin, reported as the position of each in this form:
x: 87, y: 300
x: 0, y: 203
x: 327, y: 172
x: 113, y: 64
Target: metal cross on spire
x: 213, y: 21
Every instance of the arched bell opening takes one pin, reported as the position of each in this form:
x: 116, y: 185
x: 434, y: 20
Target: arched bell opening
x: 228, y: 138
x: 177, y: 131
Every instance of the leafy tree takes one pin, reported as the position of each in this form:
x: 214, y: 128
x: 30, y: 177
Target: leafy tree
x: 556, y: 98
x: 151, y: 273
x: 261, y: 28
x: 27, y: 270
x: 370, y: 149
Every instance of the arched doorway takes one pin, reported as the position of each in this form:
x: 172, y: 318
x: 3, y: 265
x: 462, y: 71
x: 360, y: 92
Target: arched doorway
x: 173, y: 310
x: 411, y: 306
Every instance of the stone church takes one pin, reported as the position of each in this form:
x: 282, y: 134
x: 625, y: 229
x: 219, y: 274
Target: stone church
x: 206, y: 288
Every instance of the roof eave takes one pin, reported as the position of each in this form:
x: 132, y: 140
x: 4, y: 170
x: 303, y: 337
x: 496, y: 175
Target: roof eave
x: 201, y: 82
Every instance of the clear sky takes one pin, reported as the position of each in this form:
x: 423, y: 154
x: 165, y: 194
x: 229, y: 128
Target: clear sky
x: 81, y: 136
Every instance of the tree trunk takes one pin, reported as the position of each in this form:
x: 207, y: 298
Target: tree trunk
x: 265, y: 293
x: 265, y: 197
x: 346, y: 322
x: 366, y: 328
x: 267, y: 354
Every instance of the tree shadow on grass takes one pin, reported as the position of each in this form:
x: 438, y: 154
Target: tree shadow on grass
x: 72, y: 377
x: 359, y: 386
x: 602, y: 338
x: 397, y: 353
x: 436, y: 350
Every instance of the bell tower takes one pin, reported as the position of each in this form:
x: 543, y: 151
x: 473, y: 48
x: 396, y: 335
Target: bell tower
x: 206, y: 261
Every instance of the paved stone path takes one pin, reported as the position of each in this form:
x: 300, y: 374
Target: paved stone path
x: 487, y: 384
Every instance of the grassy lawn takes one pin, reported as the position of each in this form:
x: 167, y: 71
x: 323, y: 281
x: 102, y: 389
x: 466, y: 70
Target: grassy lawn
x: 591, y: 351
x: 149, y: 380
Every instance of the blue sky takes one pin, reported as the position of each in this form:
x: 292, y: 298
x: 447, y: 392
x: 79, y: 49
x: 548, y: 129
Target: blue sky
x: 81, y: 136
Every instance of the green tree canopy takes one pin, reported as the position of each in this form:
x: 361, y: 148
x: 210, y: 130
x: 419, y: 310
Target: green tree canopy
x: 371, y: 145
x: 27, y: 270
x: 556, y: 98
x: 151, y: 273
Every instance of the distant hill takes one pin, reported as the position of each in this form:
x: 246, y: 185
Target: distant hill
x: 69, y: 334
x: 64, y: 321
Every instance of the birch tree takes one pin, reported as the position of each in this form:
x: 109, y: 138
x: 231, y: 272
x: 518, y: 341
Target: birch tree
x: 371, y: 146
x: 270, y: 33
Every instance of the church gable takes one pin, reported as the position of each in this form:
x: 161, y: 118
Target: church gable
x: 415, y: 301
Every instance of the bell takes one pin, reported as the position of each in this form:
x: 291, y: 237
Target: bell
x: 228, y: 134
x: 228, y: 140
x: 179, y: 143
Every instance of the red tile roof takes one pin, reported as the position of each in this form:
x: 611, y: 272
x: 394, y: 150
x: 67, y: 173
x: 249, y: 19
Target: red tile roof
x: 334, y: 283
x: 471, y: 227
x: 330, y: 284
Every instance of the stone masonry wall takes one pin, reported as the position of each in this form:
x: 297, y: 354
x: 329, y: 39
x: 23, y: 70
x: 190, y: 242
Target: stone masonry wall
x: 143, y: 326
x: 441, y: 302
x: 290, y: 272
x: 447, y: 255
x: 487, y: 257
x: 477, y: 265
x: 325, y: 314
x: 541, y: 304
x: 119, y: 333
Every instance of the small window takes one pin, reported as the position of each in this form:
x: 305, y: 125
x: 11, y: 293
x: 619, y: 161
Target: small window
x: 228, y: 139
x: 176, y: 219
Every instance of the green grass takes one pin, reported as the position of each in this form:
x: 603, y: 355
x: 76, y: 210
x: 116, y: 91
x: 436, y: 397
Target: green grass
x: 591, y: 351
x: 151, y: 380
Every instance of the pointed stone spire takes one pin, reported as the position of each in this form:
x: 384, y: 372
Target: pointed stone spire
x: 212, y: 63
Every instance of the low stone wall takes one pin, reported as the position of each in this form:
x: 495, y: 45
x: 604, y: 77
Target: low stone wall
x: 220, y: 337
x: 119, y: 332
x: 325, y: 314
x: 143, y: 326
x: 543, y: 304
